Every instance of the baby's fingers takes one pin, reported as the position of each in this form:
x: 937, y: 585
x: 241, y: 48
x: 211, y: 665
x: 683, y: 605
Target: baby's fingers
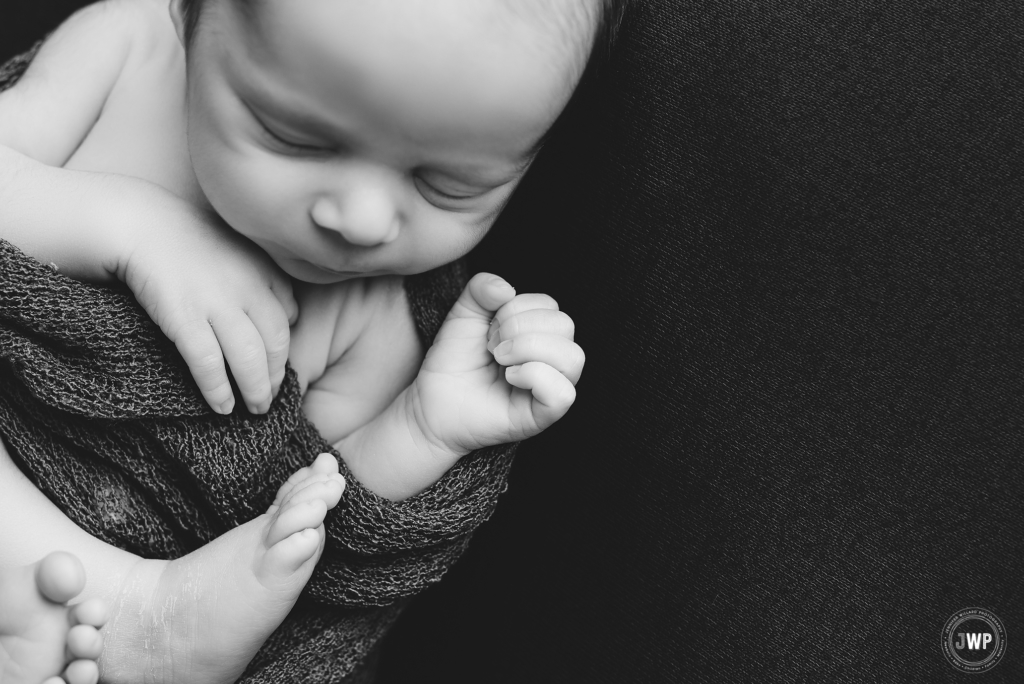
x: 547, y: 321
x: 553, y: 394
x: 271, y: 321
x: 247, y: 357
x: 562, y: 354
x: 197, y: 344
x: 525, y: 302
x: 484, y: 295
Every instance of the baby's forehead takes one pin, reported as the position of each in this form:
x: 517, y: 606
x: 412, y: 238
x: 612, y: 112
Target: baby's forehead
x: 486, y: 80
x: 571, y: 23
x: 567, y: 26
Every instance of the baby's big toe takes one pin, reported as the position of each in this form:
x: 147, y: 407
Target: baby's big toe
x: 327, y: 488
x: 60, y: 577
x: 324, y: 465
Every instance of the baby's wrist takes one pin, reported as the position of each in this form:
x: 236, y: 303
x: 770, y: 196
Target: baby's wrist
x: 410, y: 412
x: 134, y: 239
x: 393, y: 456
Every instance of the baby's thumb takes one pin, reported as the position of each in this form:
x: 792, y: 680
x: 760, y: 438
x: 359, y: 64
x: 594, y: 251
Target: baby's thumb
x: 485, y: 294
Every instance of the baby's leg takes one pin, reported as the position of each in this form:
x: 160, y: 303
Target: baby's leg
x: 39, y: 633
x: 202, y: 618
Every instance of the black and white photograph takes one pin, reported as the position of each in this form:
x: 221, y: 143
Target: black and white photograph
x: 511, y: 342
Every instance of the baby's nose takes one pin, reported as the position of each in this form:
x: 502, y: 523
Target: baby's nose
x: 366, y: 217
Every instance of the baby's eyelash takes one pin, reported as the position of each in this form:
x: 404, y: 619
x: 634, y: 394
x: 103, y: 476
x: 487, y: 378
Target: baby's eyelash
x: 431, y: 189
x: 287, y: 143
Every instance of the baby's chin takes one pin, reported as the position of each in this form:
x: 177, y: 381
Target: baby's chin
x: 311, y: 273
x: 318, y: 275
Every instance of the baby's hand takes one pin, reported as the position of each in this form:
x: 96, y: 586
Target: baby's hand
x: 501, y: 369
x: 217, y: 297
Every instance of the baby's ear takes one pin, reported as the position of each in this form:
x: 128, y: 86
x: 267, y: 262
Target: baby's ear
x: 178, y: 18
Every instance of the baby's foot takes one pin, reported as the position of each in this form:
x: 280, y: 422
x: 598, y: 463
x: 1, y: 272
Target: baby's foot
x: 40, y: 636
x: 202, y: 618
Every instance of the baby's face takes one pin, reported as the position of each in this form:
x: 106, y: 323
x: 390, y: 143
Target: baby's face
x: 350, y: 138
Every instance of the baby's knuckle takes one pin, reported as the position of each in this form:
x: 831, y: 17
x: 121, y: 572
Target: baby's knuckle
x: 277, y: 342
x: 249, y: 358
x: 509, y: 328
x: 568, y: 325
x: 208, y: 365
x: 566, y: 396
x: 579, y: 357
x: 547, y: 301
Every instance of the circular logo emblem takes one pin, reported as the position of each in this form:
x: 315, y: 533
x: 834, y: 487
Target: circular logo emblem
x: 974, y: 640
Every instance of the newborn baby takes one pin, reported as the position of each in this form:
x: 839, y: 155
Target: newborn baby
x: 250, y: 165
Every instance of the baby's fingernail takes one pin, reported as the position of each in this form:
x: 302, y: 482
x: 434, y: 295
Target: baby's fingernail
x: 499, y: 284
x: 494, y: 336
x: 512, y: 370
x: 226, y: 407
x: 503, y: 348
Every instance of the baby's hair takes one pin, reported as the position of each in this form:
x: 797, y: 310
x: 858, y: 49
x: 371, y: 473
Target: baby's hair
x: 606, y: 16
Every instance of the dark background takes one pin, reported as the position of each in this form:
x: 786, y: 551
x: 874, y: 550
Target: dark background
x: 26, y: 21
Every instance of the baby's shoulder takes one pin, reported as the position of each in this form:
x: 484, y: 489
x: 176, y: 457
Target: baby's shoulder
x: 139, y: 24
x: 119, y: 21
x: 118, y: 26
x: 99, y: 39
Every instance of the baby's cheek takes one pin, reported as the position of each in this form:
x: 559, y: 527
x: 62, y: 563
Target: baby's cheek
x: 247, y: 193
x: 443, y: 238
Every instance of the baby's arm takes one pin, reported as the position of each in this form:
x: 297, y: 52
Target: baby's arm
x: 214, y: 294
x: 58, y: 216
x: 462, y: 398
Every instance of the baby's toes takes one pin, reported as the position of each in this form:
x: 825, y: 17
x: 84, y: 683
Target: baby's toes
x: 85, y: 641
x: 295, y: 518
x: 325, y: 464
x: 82, y: 672
x: 327, y: 488
x: 60, y: 577
x: 298, y: 476
x: 92, y: 613
x: 287, y: 556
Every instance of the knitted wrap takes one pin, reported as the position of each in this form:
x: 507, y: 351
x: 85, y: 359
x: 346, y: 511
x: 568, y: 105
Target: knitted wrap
x: 100, y: 412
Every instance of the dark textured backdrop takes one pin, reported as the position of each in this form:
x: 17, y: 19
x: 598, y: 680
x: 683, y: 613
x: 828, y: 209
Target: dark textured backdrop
x: 790, y: 235
x: 792, y: 242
